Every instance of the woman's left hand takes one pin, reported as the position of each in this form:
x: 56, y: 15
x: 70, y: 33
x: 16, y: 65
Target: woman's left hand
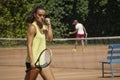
x: 47, y: 20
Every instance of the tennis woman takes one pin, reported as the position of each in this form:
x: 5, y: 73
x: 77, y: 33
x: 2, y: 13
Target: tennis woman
x: 39, y: 31
x: 81, y: 33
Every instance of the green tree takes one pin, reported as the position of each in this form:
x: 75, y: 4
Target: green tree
x: 100, y: 17
x: 12, y: 18
x: 103, y: 18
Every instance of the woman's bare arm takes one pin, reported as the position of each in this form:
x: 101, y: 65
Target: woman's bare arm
x: 49, y: 28
x: 30, y: 36
x: 74, y: 32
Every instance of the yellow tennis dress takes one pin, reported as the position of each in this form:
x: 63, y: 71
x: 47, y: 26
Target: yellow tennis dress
x: 39, y: 43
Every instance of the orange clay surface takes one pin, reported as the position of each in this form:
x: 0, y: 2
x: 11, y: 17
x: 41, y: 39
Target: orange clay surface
x: 66, y: 64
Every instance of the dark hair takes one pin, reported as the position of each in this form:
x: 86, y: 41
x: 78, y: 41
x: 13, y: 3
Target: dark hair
x: 30, y: 18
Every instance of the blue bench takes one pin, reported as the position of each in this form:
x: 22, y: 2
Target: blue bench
x: 112, y: 58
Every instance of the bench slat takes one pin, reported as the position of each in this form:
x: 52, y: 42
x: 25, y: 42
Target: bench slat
x: 112, y: 62
x: 114, y: 52
x: 114, y: 46
x: 113, y: 57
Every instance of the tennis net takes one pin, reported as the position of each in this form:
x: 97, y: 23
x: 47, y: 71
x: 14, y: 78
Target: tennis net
x: 11, y: 42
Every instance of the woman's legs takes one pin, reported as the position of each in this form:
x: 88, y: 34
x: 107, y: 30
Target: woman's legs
x: 32, y: 74
x: 47, y: 74
x: 75, y: 48
x: 76, y: 43
x: 82, y: 43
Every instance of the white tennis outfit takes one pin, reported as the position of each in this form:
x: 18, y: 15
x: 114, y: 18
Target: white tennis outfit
x: 79, y: 26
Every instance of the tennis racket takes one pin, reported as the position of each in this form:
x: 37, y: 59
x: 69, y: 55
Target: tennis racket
x: 44, y: 58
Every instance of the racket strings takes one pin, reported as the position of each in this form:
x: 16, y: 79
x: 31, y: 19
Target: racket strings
x: 45, y: 58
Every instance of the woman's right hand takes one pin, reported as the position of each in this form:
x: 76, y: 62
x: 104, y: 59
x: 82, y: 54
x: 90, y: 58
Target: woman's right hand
x: 70, y: 32
x: 32, y: 65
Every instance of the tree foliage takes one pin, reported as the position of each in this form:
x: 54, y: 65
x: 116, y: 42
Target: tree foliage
x: 103, y: 18
x: 100, y: 17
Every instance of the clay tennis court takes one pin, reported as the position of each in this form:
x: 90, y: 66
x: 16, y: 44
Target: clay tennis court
x: 66, y: 65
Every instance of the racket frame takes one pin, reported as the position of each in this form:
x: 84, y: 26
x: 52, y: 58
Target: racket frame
x: 45, y: 65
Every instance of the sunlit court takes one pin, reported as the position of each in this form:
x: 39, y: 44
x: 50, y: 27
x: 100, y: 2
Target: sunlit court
x: 66, y: 64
